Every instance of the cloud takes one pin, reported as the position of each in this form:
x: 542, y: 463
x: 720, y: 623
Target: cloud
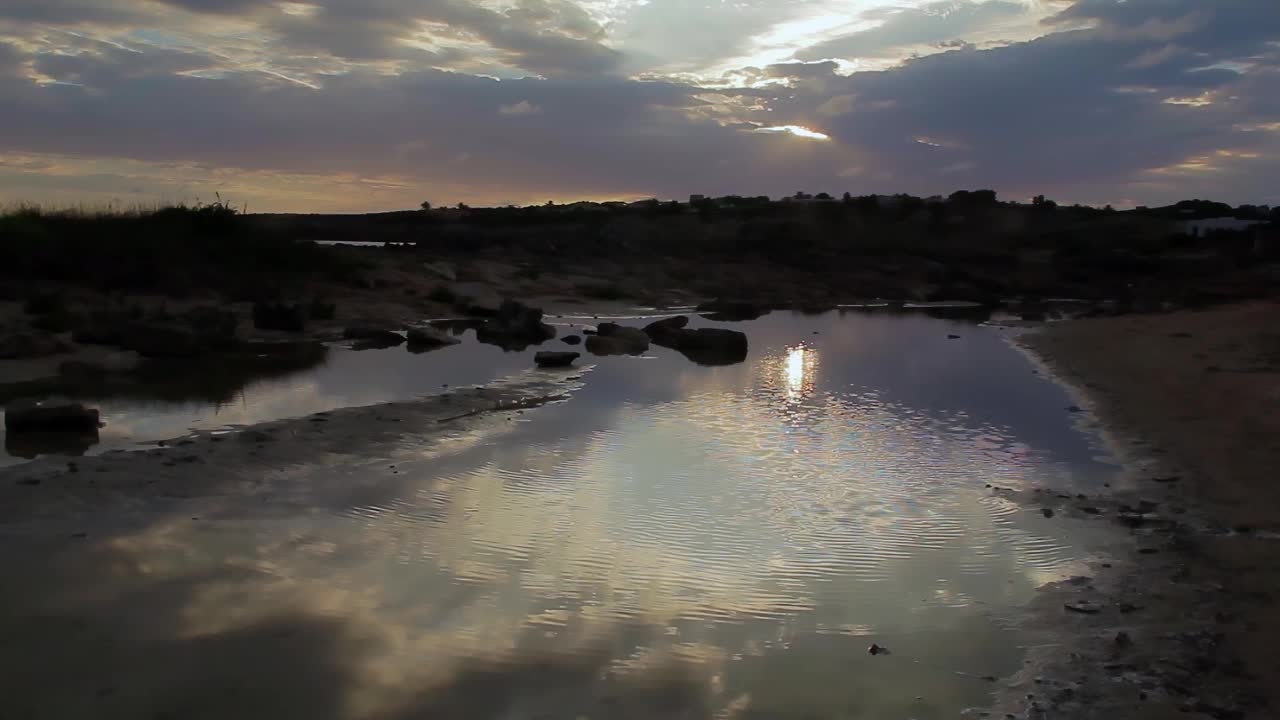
x: 524, y: 107
x: 899, y: 28
x: 403, y: 95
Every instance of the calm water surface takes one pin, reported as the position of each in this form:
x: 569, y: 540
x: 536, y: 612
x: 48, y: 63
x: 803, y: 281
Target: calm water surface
x: 672, y: 541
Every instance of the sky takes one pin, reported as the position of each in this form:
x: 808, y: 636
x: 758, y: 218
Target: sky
x: 362, y: 105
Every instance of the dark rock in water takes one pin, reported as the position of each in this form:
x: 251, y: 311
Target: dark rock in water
x: 731, y: 310
x: 953, y: 337
x: 369, y: 338
x: 877, y: 649
x: 547, y: 359
x: 589, y: 331
x: 622, y: 340
x: 1083, y: 607
x: 707, y: 346
x: 1047, y: 512
x: 572, y: 340
x: 516, y: 326
x: 428, y: 338
x: 52, y: 415
x: 458, y: 326
x: 25, y: 345
x: 666, y: 326
x: 279, y: 316
x: 615, y: 345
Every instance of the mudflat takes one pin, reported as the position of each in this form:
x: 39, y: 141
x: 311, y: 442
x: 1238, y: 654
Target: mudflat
x: 1191, y: 402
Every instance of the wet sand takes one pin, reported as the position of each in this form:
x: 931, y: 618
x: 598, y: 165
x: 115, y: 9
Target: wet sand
x: 1183, y: 621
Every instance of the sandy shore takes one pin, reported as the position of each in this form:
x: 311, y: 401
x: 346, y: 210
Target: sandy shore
x: 1183, y: 622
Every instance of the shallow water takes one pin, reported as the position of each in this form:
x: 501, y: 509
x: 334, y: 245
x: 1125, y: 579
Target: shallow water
x: 671, y: 541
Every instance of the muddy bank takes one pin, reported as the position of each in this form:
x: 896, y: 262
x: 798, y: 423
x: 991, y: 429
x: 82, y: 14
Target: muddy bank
x: 1180, y: 621
x: 50, y: 492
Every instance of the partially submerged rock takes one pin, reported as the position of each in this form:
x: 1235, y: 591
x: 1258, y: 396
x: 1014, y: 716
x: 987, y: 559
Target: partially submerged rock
x: 666, y: 326
x: 549, y: 359
x: 371, y: 338
x: 705, y: 346
x: 516, y: 326
x: 571, y: 340
x: 49, y: 416
x: 428, y: 338
x: 615, y: 339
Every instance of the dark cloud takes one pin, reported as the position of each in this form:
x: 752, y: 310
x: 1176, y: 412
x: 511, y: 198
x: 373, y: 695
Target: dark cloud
x: 214, y: 6
x: 69, y: 12
x: 542, y: 36
x: 1068, y: 110
x: 899, y: 28
x: 1116, y: 92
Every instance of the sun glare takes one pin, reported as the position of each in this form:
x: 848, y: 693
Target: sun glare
x: 797, y: 130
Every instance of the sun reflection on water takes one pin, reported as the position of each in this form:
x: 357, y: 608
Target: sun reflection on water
x: 798, y: 371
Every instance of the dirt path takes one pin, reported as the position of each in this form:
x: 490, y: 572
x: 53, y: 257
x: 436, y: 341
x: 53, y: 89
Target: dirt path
x: 1191, y: 403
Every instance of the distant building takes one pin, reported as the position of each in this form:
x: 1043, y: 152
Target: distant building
x: 1196, y: 228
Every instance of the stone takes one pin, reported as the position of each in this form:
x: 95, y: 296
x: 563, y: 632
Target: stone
x: 707, y: 346
x: 516, y: 326
x: 49, y: 415
x: 549, y: 359
x: 369, y: 338
x: 572, y: 340
x: 429, y: 338
x: 605, y: 345
x: 666, y: 326
x: 627, y: 340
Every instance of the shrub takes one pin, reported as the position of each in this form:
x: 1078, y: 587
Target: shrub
x: 279, y: 316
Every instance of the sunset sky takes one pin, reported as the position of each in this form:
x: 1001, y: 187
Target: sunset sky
x: 356, y: 105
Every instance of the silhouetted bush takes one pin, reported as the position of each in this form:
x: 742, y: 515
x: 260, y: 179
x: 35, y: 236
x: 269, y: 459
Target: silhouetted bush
x: 279, y: 316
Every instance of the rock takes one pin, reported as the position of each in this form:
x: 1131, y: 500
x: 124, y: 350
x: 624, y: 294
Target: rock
x: 731, y: 310
x: 370, y: 338
x: 877, y: 649
x: 666, y: 326
x: 547, y: 359
x: 427, y: 338
x: 25, y: 345
x: 572, y: 340
x: 279, y: 316
x: 707, y: 346
x: 633, y: 340
x: 50, y: 415
x: 516, y: 326
x: 1047, y: 512
x: 605, y: 345
x: 1083, y: 607
x: 953, y: 337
